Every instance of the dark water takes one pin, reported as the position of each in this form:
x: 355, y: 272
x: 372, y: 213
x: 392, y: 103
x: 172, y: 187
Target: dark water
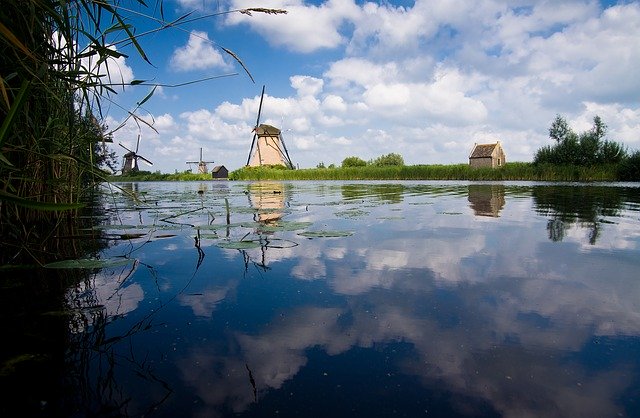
x: 305, y: 299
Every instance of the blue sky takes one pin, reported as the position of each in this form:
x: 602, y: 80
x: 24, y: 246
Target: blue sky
x: 425, y: 79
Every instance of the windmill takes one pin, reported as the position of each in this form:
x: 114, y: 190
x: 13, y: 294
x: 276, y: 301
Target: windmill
x: 267, y: 146
x: 202, y: 165
x: 130, y: 159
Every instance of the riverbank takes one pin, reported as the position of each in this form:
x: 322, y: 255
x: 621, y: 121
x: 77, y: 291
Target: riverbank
x: 517, y: 171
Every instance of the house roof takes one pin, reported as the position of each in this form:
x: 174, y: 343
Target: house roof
x: 483, y: 150
x: 218, y: 168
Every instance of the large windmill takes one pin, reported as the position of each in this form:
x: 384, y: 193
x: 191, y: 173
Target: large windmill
x: 130, y: 162
x: 202, y: 165
x: 267, y: 146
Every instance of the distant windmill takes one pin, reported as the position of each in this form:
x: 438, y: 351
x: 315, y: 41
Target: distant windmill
x: 267, y: 146
x: 130, y: 162
x: 202, y: 165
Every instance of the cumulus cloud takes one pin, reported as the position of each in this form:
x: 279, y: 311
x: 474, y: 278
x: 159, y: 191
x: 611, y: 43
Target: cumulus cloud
x: 430, y: 79
x: 198, y: 54
x: 305, y: 28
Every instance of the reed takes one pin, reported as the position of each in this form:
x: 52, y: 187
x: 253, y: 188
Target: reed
x: 53, y: 83
x: 511, y: 171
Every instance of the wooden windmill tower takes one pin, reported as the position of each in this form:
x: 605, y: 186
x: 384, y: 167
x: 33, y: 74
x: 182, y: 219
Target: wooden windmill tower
x: 267, y: 146
x: 130, y: 159
x: 202, y: 165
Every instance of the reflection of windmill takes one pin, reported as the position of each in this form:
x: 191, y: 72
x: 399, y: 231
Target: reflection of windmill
x: 130, y: 162
x: 267, y: 146
x: 202, y: 165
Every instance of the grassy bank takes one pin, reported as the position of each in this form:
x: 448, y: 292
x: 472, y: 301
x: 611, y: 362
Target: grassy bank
x: 148, y: 176
x: 511, y: 171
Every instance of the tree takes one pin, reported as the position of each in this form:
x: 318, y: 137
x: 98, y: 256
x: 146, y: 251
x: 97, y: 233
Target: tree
x: 353, y: 162
x: 586, y: 149
x: 391, y: 159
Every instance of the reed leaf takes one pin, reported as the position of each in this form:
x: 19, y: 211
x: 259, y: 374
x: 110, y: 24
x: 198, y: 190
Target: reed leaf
x: 41, y: 206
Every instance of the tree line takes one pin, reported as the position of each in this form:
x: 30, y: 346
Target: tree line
x: 587, y: 149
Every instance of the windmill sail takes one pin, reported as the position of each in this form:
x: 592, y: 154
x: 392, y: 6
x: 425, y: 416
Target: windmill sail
x: 131, y: 159
x: 202, y: 165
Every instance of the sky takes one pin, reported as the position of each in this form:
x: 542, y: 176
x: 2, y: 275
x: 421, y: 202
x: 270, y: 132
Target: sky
x: 425, y: 79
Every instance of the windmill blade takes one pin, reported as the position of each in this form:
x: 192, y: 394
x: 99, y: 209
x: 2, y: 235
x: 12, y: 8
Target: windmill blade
x: 120, y: 143
x: 255, y: 129
x: 286, y: 153
x: 260, y: 107
x: 253, y: 142
x: 138, y: 143
x: 144, y: 159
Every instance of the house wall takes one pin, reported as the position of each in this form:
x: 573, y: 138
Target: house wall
x: 481, y: 162
x: 499, y: 159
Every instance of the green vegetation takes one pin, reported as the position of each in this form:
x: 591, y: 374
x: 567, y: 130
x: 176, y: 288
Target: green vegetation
x: 353, y: 162
x: 510, y: 171
x: 391, y: 159
x: 588, y: 148
x: 158, y: 176
x: 53, y: 83
x: 388, y: 160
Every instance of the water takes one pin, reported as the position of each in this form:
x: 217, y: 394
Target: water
x: 357, y: 299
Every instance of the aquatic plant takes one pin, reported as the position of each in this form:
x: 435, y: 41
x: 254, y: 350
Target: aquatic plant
x: 54, y: 81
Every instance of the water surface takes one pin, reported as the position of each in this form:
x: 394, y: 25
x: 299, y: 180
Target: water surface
x: 362, y: 299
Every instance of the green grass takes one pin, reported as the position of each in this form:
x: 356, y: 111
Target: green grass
x: 511, y: 171
x: 157, y: 176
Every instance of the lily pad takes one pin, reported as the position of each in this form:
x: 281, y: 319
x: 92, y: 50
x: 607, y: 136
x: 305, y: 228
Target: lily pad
x: 326, y: 234
x: 90, y: 263
x: 286, y: 226
x: 239, y: 245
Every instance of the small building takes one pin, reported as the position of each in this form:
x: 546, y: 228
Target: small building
x: 487, y: 155
x: 219, y: 172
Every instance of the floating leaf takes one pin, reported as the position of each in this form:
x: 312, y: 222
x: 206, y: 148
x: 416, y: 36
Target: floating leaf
x: 239, y: 245
x: 209, y: 236
x: 131, y: 236
x: 286, y: 226
x: 326, y: 234
x: 90, y: 263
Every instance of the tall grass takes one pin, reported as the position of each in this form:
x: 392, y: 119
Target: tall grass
x: 511, y: 171
x: 53, y: 82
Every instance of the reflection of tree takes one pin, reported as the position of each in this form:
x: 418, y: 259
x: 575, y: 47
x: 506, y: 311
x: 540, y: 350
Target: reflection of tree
x: 486, y: 199
x: 387, y: 193
x: 577, y: 205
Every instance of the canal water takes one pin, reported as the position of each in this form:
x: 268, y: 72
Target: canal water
x: 330, y: 299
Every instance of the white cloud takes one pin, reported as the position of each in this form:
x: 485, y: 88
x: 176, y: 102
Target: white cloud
x: 198, y: 54
x: 305, y: 28
x: 306, y: 86
x: 429, y: 80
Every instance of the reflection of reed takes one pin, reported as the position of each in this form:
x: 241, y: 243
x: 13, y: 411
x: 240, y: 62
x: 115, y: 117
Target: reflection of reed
x: 99, y: 365
x: 486, y: 199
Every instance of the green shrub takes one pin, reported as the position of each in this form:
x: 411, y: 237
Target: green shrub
x: 629, y: 169
x: 391, y: 159
x: 353, y: 162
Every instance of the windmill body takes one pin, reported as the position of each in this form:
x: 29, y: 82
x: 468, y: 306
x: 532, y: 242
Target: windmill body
x: 267, y: 146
